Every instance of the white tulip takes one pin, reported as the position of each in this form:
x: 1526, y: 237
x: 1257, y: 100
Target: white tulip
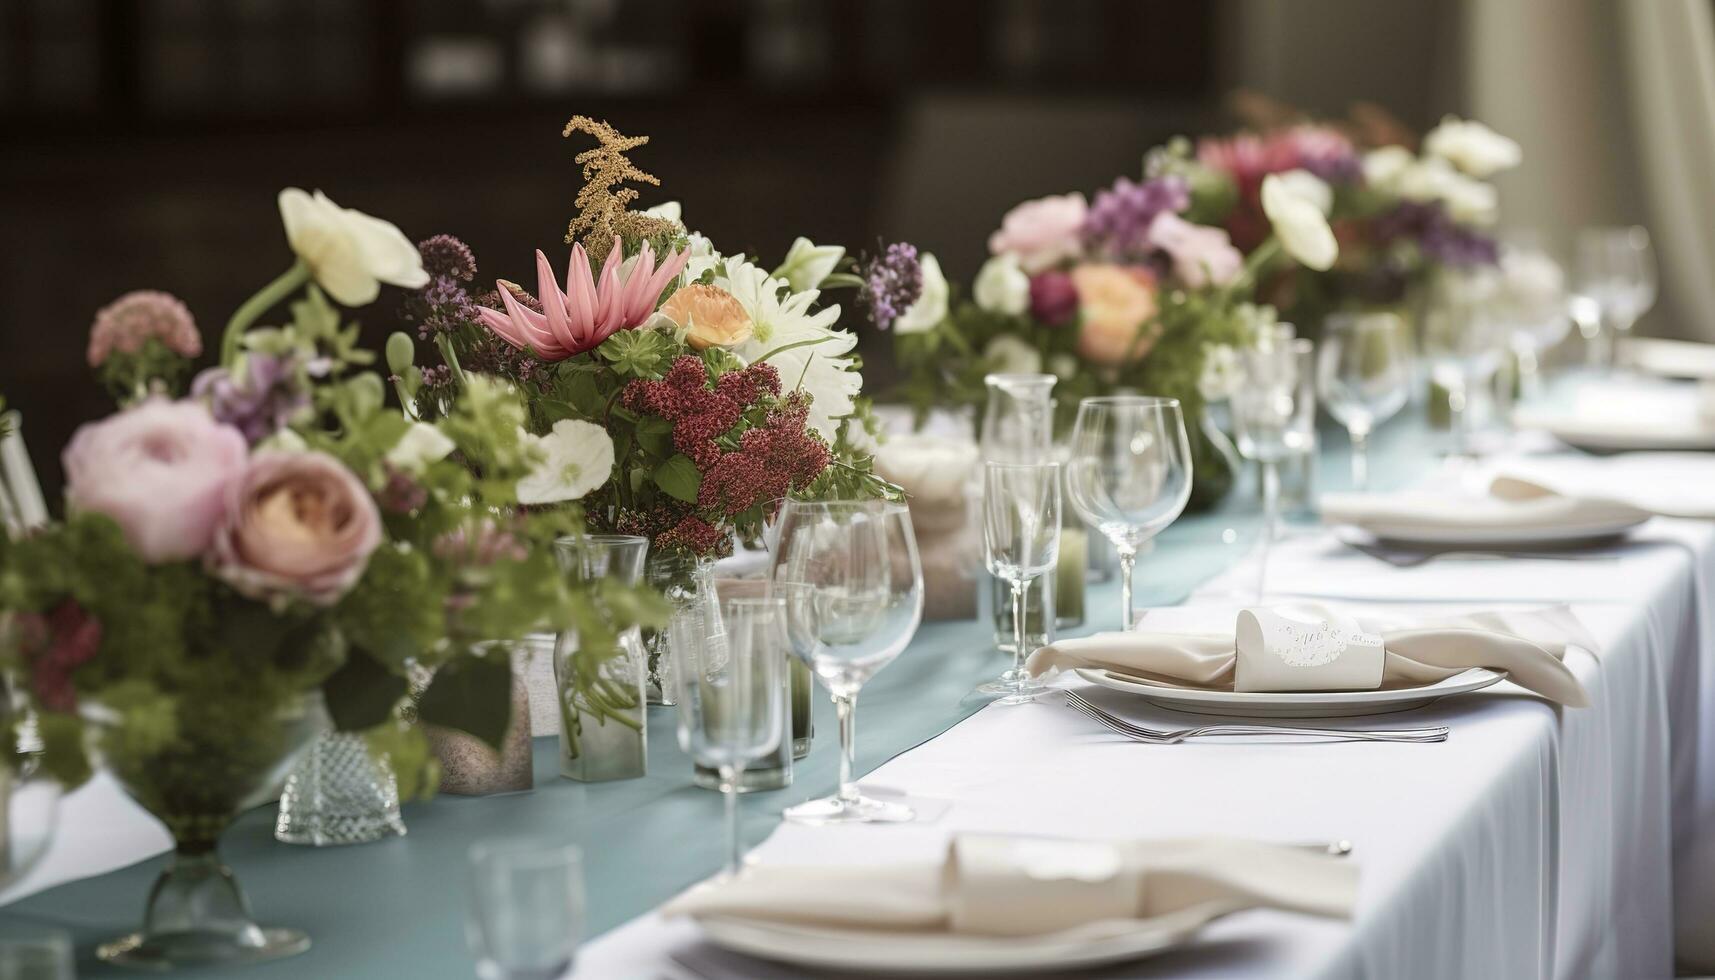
x: 1007, y: 354
x: 807, y: 264
x: 931, y: 305
x: 1468, y: 201
x: 1299, y: 224
x: 668, y: 210
x: 349, y: 253
x: 1472, y: 147
x: 1001, y: 286
x: 577, y: 457
x: 1303, y: 183
x: 421, y: 445
x: 1384, y: 166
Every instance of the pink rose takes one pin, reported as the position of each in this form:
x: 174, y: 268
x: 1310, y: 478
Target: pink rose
x: 1053, y: 298
x: 1201, y: 255
x: 1043, y: 232
x: 160, y: 470
x: 1118, y: 303
x: 298, y: 525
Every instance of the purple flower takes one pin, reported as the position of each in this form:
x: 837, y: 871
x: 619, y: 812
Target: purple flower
x: 891, y: 283
x: 1053, y: 297
x: 260, y: 404
x: 1436, y: 234
x: 1118, y: 223
x: 444, y: 255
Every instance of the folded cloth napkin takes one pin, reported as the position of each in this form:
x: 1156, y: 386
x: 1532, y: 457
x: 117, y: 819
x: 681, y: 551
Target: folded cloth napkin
x: 1190, y: 646
x: 996, y: 885
x: 1511, y: 503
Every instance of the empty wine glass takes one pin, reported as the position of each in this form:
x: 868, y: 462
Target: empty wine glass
x: 1021, y: 542
x: 1462, y: 341
x: 1533, y: 304
x: 853, y: 585
x: 1364, y: 377
x: 1615, y: 280
x: 731, y: 687
x: 526, y: 908
x: 1129, y: 474
x: 1274, y: 412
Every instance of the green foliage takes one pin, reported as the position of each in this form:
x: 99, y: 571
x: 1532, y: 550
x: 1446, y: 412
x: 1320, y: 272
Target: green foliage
x: 678, y: 477
x: 154, y: 368
x: 639, y: 353
x: 472, y: 694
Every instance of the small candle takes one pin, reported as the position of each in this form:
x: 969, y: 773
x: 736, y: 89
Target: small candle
x: 1070, y: 575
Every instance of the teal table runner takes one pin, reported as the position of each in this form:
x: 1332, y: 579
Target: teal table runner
x: 396, y: 908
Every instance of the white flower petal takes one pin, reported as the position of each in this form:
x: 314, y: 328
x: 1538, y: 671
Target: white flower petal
x: 807, y: 264
x: 1002, y: 286
x: 421, y: 445
x: 577, y: 458
x: 931, y: 305
x: 1299, y: 224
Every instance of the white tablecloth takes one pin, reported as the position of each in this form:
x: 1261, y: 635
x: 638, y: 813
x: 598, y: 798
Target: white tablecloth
x: 1536, y: 841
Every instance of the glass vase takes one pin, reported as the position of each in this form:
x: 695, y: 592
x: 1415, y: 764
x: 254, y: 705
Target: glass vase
x: 197, y: 914
x: 604, y: 732
x: 681, y: 579
x: 339, y: 793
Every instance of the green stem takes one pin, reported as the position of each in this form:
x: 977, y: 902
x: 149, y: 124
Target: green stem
x: 264, y: 300
x: 451, y: 357
x: 952, y: 333
x: 1254, y: 263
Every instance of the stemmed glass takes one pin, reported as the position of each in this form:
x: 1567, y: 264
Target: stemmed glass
x: 731, y: 691
x: 1364, y: 377
x: 526, y: 908
x: 1533, y: 303
x: 1615, y: 281
x: 1274, y: 412
x: 1129, y: 474
x: 1021, y: 541
x: 1462, y: 342
x: 853, y: 585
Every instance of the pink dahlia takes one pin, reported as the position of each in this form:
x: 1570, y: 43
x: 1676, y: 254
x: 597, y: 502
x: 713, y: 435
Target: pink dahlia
x: 130, y: 321
x: 592, y: 308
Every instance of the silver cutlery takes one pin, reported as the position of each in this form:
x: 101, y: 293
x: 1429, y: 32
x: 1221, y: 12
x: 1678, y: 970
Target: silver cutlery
x: 1158, y: 736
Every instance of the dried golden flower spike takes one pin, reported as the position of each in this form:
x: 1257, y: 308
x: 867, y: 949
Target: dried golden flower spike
x: 602, y: 203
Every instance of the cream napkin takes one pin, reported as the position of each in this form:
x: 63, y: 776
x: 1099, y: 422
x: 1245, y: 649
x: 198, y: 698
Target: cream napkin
x: 996, y: 885
x: 1511, y: 503
x: 1199, y: 652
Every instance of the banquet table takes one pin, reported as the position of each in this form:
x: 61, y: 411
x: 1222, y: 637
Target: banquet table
x: 1535, y: 841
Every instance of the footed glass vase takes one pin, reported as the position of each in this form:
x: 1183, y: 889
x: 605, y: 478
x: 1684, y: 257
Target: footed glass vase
x: 339, y: 793
x: 197, y: 915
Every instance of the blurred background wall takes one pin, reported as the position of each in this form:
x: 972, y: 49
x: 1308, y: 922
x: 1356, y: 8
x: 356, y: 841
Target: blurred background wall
x: 144, y: 140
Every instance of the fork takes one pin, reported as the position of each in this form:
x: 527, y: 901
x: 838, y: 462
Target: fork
x: 1158, y: 736
x: 1412, y: 559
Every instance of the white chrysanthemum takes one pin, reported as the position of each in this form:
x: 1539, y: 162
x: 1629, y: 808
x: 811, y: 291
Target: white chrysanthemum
x: 782, y: 319
x: 421, y: 445
x: 577, y: 457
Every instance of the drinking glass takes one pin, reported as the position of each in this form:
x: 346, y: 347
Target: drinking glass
x: 1018, y: 427
x: 1129, y: 474
x: 731, y: 687
x: 1462, y: 340
x: 1274, y: 413
x: 31, y: 952
x: 1533, y: 303
x: 1021, y: 542
x: 853, y: 585
x: 526, y: 908
x: 1616, y: 281
x: 1364, y: 376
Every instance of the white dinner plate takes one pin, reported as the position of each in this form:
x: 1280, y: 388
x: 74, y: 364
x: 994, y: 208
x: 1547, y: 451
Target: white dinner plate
x: 1415, y: 536
x: 1669, y: 358
x: 1292, y: 704
x: 1620, y: 432
x: 873, y: 952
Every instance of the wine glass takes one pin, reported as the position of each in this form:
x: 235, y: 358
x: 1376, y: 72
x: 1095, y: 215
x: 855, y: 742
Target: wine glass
x: 526, y: 907
x: 1462, y: 341
x: 1615, y: 280
x: 1129, y: 474
x: 1533, y: 303
x: 1364, y: 377
x: 853, y: 585
x: 1021, y: 542
x: 731, y: 691
x: 1274, y: 412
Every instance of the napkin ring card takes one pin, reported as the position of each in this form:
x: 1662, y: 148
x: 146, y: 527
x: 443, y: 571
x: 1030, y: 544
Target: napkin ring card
x: 1016, y: 886
x: 1276, y: 653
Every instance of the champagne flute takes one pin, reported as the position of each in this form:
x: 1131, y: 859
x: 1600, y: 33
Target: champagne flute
x: 731, y: 687
x: 1274, y: 412
x: 1364, y: 376
x: 1021, y: 542
x: 849, y: 573
x: 1461, y: 340
x: 1616, y: 280
x: 1129, y: 474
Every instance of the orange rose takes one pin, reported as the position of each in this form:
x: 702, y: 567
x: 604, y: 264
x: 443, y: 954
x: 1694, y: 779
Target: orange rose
x: 709, y: 315
x: 1118, y: 303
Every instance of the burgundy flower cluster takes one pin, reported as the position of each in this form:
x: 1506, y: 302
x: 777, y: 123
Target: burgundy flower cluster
x: 701, y: 414
x: 670, y: 526
x: 773, y: 459
x: 55, y: 645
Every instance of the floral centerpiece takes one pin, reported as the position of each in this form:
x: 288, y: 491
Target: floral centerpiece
x: 240, y: 567
x: 1138, y: 289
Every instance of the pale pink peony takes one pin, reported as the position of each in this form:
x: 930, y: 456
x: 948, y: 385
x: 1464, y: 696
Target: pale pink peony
x: 133, y: 319
x: 298, y: 525
x: 1043, y: 232
x: 159, y: 470
x: 1118, y: 303
x: 1201, y: 255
